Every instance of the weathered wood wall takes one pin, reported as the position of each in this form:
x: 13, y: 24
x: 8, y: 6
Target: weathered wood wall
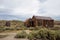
x: 39, y: 22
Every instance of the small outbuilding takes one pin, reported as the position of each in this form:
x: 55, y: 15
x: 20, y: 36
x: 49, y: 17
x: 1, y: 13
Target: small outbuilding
x: 39, y: 21
x: 7, y: 23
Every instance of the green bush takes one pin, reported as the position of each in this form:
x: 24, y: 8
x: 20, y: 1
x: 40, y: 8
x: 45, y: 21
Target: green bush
x: 52, y: 35
x: 58, y: 35
x: 2, y: 29
x: 37, y: 34
x: 22, y: 34
x: 44, y: 34
x: 34, y: 35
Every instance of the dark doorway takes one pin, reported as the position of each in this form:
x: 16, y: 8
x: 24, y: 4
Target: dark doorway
x: 31, y: 23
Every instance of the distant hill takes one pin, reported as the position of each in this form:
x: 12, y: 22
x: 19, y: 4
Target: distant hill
x: 9, y: 17
x: 57, y: 22
x: 13, y: 23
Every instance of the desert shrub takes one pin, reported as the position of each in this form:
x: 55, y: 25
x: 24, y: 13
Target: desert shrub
x: 44, y: 34
x: 31, y: 28
x: 52, y: 35
x: 2, y: 29
x: 3, y: 36
x: 22, y: 34
x: 33, y: 35
x: 21, y: 28
x: 47, y: 34
x: 58, y: 35
x: 17, y: 28
x: 9, y: 28
x: 35, y: 28
x: 56, y: 28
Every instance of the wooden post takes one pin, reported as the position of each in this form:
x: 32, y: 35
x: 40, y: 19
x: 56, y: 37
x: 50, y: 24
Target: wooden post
x: 36, y: 23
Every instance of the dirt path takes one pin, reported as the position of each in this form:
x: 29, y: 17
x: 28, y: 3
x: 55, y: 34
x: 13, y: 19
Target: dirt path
x: 10, y: 37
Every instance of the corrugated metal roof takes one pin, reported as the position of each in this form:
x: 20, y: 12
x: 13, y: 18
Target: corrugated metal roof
x: 42, y: 17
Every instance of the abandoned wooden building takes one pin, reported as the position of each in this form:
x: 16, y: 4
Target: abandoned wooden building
x: 39, y: 21
x: 7, y: 23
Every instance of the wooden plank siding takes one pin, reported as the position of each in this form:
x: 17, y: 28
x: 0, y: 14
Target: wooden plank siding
x: 40, y: 21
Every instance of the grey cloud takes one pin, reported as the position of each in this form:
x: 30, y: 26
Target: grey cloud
x: 5, y: 11
x: 42, y: 11
x: 42, y: 1
x: 13, y: 3
x: 52, y: 7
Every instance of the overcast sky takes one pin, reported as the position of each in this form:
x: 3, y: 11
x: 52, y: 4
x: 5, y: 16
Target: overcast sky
x: 23, y: 9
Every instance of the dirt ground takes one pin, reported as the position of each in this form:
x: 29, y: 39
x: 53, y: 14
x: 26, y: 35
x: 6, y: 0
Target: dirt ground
x: 10, y: 37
